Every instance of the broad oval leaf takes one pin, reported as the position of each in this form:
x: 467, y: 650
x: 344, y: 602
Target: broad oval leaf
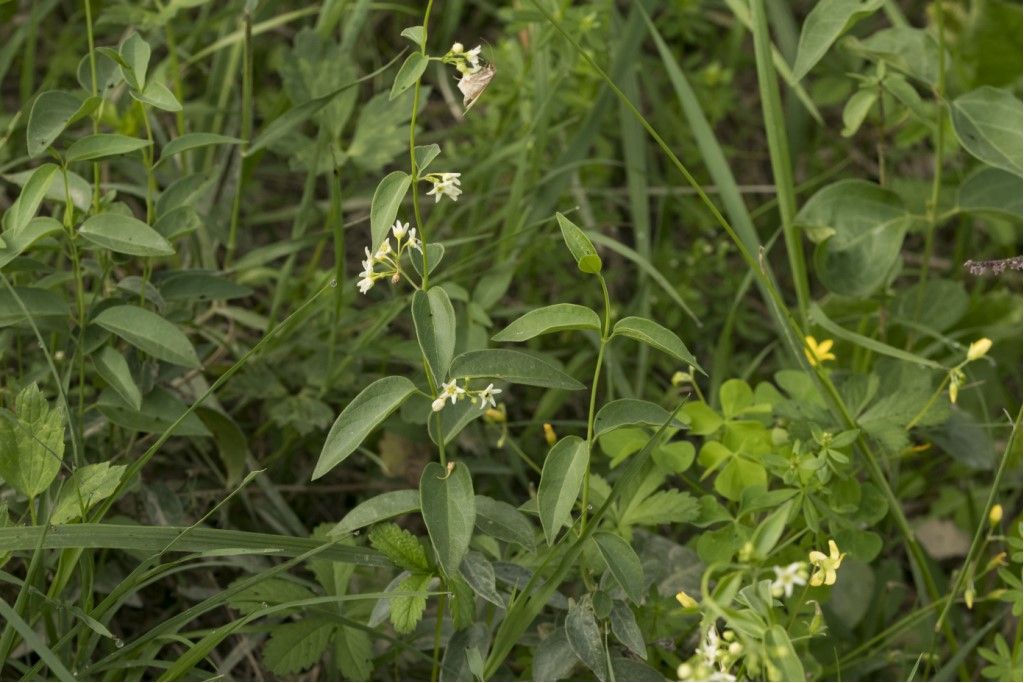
x: 190, y: 141
x: 125, y: 235
x: 134, y: 53
x: 560, y: 481
x: 502, y: 521
x: 632, y: 411
x: 556, y: 318
x: 435, y: 252
x: 824, y: 24
x: 52, y: 112
x: 411, y: 71
x: 377, y: 509
x: 102, y: 145
x: 360, y: 417
x: 991, y: 190
x: 859, y: 228
x: 87, y: 485
x: 384, y: 206
x: 511, y: 366
x: 158, y: 95
x: 434, y: 319
x: 150, y: 333
x: 449, y: 512
x: 987, y: 122
x: 656, y: 336
x: 113, y: 368
x: 414, y: 33
x: 623, y: 563
x: 580, y: 245
x: 585, y: 637
x: 32, y: 194
x: 425, y: 154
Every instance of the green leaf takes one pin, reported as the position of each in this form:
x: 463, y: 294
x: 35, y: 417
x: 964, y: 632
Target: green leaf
x: 449, y: 512
x: 31, y: 442
x: 479, y: 574
x: 859, y: 229
x: 87, y: 485
x: 400, y: 546
x: 360, y: 417
x: 910, y: 50
x: 656, y: 336
x: 407, y: 610
x: 857, y: 109
x: 26, y: 206
x: 580, y: 245
x: 52, y: 112
x: 627, y: 631
x: 157, y: 95
x: 125, y: 235
x: 384, y: 206
x: 43, y: 306
x: 990, y: 190
x: 380, y: 507
x: 198, y: 285
x: 504, y: 522
x: 425, y: 154
x: 560, y: 481
x: 160, y: 409
x: 113, y: 368
x: 353, y: 653
x: 296, y: 646
x: 190, y: 141
x: 623, y: 563
x: 739, y: 474
x: 511, y: 366
x: 769, y: 531
x: 631, y: 411
x: 150, y: 333
x: 17, y: 242
x: 585, y: 637
x: 435, y: 252
x: 818, y: 317
x: 103, y: 145
x: 232, y: 444
x: 410, y: 73
x: 107, y: 73
x: 414, y: 33
x: 555, y: 318
x: 134, y: 52
x: 271, y: 591
x: 663, y: 507
x: 824, y: 24
x: 434, y: 319
x: 783, y: 662
x: 987, y: 122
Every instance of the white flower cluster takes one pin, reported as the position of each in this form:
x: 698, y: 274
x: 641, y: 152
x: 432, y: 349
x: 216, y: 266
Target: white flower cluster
x: 466, y: 61
x: 712, y: 658
x: 390, y: 259
x: 788, y: 577
x: 445, y: 184
x: 451, y: 391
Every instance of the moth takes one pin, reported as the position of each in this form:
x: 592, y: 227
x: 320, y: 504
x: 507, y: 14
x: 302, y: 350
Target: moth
x: 473, y: 85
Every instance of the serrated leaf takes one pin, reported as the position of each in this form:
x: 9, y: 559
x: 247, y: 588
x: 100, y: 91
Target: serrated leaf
x: 434, y: 320
x: 579, y: 245
x: 31, y: 442
x: 555, y: 318
x: 360, y: 417
x: 407, y: 610
x: 296, y: 646
x: 400, y: 546
x: 512, y: 366
x: 125, y: 235
x: 560, y: 482
x: 384, y: 206
x: 623, y: 563
x: 87, y: 485
x: 656, y: 336
x: 353, y: 653
x: 449, y: 512
x: 150, y: 333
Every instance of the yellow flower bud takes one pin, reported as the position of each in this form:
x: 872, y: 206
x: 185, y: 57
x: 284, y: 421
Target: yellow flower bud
x: 680, y: 378
x: 494, y: 415
x: 979, y: 348
x: 954, y: 389
x: 549, y: 434
x: 685, y: 600
x: 995, y: 515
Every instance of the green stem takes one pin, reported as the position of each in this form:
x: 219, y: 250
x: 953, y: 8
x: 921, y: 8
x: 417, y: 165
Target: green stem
x: 414, y: 171
x: 95, y: 91
x: 436, y: 667
x: 246, y: 135
x: 605, y: 331
x: 940, y: 138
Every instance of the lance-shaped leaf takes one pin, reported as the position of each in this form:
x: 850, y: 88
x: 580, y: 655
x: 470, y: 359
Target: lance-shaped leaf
x: 125, y: 235
x: 449, y: 511
x: 27, y: 204
x: 560, y: 481
x: 556, y: 318
x: 434, y: 318
x: 656, y: 336
x: 580, y: 245
x: 150, y: 333
x: 511, y: 366
x: 384, y: 206
x: 52, y: 112
x: 623, y: 563
x: 632, y: 411
x: 585, y: 637
x: 103, y: 145
x: 360, y: 417
x: 413, y: 67
x: 377, y: 509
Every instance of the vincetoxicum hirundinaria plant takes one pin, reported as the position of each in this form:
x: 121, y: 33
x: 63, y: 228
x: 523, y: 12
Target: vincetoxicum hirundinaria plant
x: 453, y: 390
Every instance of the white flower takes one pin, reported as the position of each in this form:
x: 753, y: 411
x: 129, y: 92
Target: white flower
x: 383, y: 250
x: 794, y: 574
x: 487, y: 396
x: 438, y: 404
x: 414, y: 242
x: 473, y: 57
x: 365, y: 284
x: 457, y: 48
x: 446, y: 184
x: 724, y: 676
x: 709, y: 649
x: 399, y: 230
x: 450, y: 390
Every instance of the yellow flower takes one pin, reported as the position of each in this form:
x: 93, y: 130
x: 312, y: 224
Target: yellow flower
x: 995, y: 515
x: 826, y: 564
x: 549, y: 434
x: 818, y: 352
x: 956, y: 379
x: 978, y: 349
x: 685, y: 600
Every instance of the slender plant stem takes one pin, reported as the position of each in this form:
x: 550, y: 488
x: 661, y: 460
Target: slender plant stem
x: 246, y: 135
x: 414, y: 171
x: 940, y: 143
x: 605, y: 332
x: 94, y: 90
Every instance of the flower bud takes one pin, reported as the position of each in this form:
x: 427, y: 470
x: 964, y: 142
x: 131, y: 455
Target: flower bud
x: 685, y: 600
x: 995, y: 515
x: 979, y: 348
x: 549, y: 434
